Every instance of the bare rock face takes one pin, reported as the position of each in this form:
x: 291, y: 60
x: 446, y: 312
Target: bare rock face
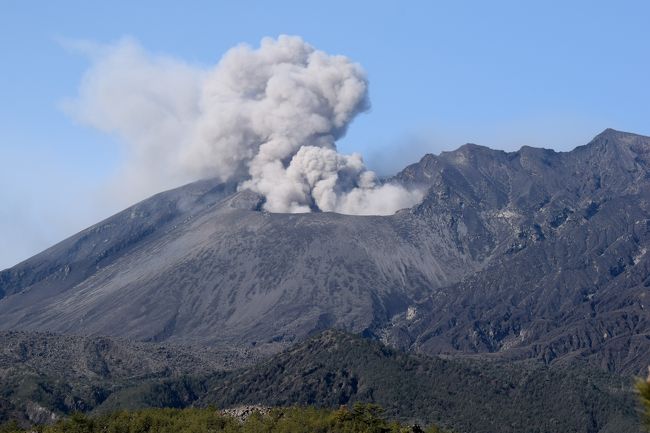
x: 528, y: 254
x: 242, y: 413
x: 39, y: 415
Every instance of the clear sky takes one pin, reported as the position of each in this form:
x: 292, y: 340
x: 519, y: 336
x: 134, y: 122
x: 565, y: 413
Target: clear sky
x: 498, y: 73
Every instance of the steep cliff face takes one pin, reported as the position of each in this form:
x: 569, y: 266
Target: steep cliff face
x: 524, y: 254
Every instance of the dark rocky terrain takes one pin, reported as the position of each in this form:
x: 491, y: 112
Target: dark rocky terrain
x: 531, y: 254
x: 570, y: 280
x: 336, y: 368
x: 326, y: 371
x: 74, y: 357
x: 44, y: 376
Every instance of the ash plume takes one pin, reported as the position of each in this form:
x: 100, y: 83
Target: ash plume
x: 266, y: 118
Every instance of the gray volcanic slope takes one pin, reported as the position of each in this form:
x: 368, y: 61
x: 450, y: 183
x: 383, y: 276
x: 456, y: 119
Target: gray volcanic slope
x: 528, y: 254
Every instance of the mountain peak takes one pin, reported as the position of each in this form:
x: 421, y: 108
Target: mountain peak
x: 614, y: 134
x: 473, y: 148
x: 610, y: 131
x: 624, y: 145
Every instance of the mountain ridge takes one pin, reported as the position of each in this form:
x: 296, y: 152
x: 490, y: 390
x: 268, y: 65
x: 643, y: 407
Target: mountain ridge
x: 202, y: 264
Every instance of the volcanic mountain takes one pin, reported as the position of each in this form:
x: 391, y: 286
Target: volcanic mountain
x: 528, y: 254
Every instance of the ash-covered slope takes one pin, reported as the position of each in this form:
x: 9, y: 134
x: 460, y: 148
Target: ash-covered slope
x: 200, y: 265
x: 524, y: 254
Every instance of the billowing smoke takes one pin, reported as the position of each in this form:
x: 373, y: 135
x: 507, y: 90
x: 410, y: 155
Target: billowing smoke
x: 267, y: 118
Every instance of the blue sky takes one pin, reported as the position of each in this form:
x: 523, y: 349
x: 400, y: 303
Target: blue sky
x: 502, y: 74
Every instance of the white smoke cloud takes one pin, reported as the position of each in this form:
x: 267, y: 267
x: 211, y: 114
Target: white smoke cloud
x: 150, y: 102
x: 267, y: 118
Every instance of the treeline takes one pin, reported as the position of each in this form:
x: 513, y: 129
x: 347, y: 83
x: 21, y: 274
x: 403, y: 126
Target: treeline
x: 643, y: 387
x: 362, y: 418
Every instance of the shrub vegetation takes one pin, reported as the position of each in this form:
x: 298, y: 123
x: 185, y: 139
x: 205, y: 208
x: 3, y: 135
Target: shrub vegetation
x: 362, y: 418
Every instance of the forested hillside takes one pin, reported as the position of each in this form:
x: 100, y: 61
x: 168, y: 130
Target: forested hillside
x: 329, y: 370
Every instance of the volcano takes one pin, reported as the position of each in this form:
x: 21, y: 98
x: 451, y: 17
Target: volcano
x: 533, y: 254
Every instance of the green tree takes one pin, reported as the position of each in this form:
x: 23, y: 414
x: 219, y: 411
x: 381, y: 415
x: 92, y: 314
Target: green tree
x: 643, y: 387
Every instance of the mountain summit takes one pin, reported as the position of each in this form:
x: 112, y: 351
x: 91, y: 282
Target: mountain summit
x: 528, y: 254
